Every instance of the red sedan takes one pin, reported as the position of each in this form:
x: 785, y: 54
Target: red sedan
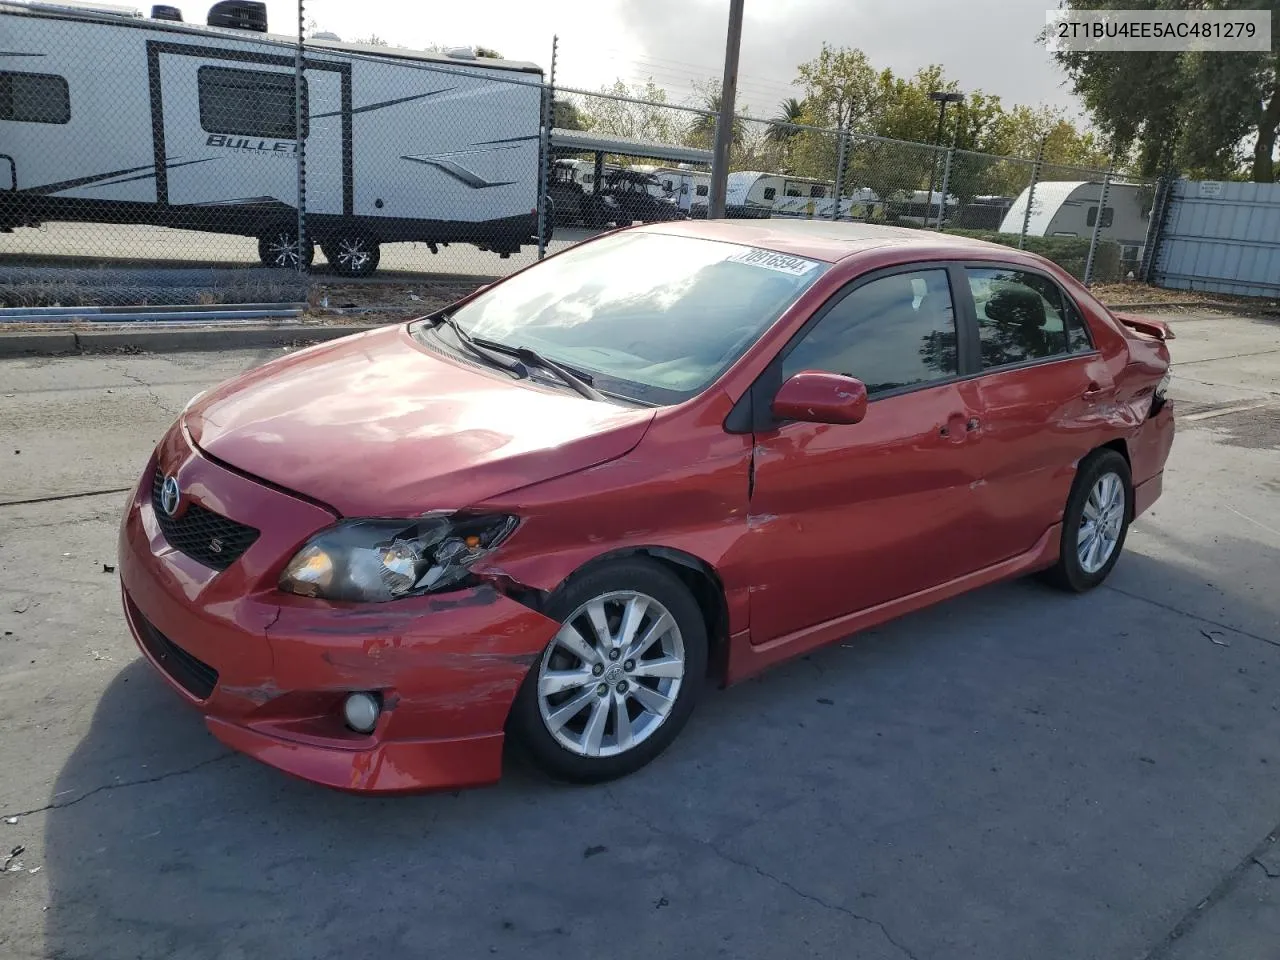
x: 554, y: 508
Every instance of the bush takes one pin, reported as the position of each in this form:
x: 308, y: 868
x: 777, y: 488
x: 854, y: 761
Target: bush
x: 1070, y: 253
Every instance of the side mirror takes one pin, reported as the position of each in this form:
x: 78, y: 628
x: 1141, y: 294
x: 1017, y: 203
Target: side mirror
x: 812, y: 396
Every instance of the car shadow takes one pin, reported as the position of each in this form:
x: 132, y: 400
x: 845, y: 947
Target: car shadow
x: 1013, y: 770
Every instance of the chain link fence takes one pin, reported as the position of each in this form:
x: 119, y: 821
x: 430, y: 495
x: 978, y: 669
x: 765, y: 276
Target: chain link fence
x: 144, y: 160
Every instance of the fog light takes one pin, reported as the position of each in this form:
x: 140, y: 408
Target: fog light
x: 361, y: 711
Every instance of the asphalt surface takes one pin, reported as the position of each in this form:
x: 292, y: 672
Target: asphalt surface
x: 1013, y: 774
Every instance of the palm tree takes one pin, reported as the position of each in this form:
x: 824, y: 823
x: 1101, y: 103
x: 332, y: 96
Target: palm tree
x: 782, y: 127
x: 702, y: 130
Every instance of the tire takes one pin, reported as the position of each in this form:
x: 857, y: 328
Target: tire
x: 279, y: 248
x: 568, y: 752
x: 1071, y: 572
x: 352, y: 256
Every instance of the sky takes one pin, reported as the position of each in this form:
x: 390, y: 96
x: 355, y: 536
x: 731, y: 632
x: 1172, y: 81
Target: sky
x: 981, y: 44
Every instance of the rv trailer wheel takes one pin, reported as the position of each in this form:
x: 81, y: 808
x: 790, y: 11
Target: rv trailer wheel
x: 280, y: 249
x: 352, y: 256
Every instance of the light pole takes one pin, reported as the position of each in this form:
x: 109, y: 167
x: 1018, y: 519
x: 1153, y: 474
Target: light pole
x: 941, y: 98
x: 724, y: 126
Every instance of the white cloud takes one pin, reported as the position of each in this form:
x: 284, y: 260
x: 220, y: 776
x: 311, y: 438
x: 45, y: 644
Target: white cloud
x: 982, y: 44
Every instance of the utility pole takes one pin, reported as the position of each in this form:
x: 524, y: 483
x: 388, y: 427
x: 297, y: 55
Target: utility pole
x: 724, y: 126
x: 941, y: 98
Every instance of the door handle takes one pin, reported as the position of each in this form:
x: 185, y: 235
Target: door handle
x: 955, y: 427
x: 1092, y: 392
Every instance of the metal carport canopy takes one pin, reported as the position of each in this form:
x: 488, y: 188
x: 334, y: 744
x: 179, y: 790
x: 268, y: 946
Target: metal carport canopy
x: 584, y: 141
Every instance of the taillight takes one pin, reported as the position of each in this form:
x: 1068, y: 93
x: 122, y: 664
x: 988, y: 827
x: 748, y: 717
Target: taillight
x: 1160, y: 396
x: 1163, y: 388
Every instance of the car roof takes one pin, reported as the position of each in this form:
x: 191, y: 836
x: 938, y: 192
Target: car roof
x: 833, y: 241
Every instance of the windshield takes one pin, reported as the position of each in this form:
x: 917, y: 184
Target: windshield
x: 648, y: 316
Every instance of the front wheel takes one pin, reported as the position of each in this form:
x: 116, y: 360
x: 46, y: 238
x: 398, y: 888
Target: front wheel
x: 353, y: 256
x: 616, y: 685
x: 1095, y: 522
x: 280, y: 249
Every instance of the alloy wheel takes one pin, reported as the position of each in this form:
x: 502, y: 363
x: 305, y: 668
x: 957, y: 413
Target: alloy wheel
x: 281, y: 250
x: 611, y: 676
x: 1101, y: 523
x: 352, y: 255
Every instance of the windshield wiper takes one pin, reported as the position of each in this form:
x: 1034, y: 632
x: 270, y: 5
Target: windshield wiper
x: 578, y: 380
x: 485, y: 349
x: 481, y: 349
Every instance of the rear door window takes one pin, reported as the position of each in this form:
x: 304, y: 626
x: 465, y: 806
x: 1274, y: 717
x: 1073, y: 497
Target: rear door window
x: 1022, y: 317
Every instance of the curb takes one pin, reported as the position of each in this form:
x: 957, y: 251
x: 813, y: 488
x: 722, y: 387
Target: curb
x: 152, y: 340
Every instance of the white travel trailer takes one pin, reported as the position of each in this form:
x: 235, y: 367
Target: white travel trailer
x: 1069, y: 208
x: 109, y: 116
x: 690, y: 188
x: 920, y: 207
x: 584, y: 172
x: 751, y: 194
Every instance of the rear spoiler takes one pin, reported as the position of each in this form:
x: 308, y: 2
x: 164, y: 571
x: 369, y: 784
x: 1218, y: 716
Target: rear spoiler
x: 1148, y: 325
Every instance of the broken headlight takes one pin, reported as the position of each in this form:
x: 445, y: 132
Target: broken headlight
x: 378, y: 560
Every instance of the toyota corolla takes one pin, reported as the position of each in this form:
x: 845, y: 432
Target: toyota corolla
x: 553, y: 510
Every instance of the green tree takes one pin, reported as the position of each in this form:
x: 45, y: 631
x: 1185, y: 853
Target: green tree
x: 843, y: 87
x: 1213, y: 113
x: 782, y: 127
x: 701, y: 130
x: 650, y: 121
x: 840, y: 87
x: 567, y: 116
x: 489, y: 52
x: 1025, y: 128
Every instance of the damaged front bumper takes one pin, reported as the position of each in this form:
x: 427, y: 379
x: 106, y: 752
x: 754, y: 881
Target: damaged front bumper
x: 270, y: 671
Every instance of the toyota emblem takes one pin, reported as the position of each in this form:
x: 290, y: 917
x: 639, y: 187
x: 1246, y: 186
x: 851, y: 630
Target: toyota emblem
x: 169, y: 496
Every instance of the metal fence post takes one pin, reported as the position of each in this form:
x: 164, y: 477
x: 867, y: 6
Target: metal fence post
x: 1155, y: 228
x: 1031, y: 193
x: 299, y: 132
x: 946, y: 180
x: 840, y: 158
x: 1097, y: 221
x: 544, y: 150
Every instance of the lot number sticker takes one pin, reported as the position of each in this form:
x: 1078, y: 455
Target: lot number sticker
x: 770, y: 260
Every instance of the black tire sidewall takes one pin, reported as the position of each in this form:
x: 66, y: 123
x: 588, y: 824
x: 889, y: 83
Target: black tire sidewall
x: 647, y: 577
x: 1069, y: 572
x: 309, y: 253
x: 331, y: 254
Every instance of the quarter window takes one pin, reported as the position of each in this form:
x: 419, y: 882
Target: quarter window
x: 895, y: 332
x: 1022, y: 317
x: 249, y: 103
x: 770, y: 192
x: 34, y: 98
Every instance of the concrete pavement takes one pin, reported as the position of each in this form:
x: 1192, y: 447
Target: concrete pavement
x: 1013, y: 774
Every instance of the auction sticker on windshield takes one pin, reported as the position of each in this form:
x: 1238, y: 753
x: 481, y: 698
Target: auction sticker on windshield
x: 772, y: 260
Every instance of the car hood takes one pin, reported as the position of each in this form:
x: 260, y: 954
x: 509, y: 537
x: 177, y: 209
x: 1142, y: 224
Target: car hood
x: 376, y: 424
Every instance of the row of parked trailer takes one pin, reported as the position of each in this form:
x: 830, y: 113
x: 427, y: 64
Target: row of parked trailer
x: 1058, y: 208
x: 749, y: 194
x: 107, y: 115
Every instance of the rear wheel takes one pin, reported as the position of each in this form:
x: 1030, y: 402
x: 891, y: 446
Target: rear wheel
x: 616, y: 685
x: 352, y: 256
x: 280, y: 249
x: 1095, y: 522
